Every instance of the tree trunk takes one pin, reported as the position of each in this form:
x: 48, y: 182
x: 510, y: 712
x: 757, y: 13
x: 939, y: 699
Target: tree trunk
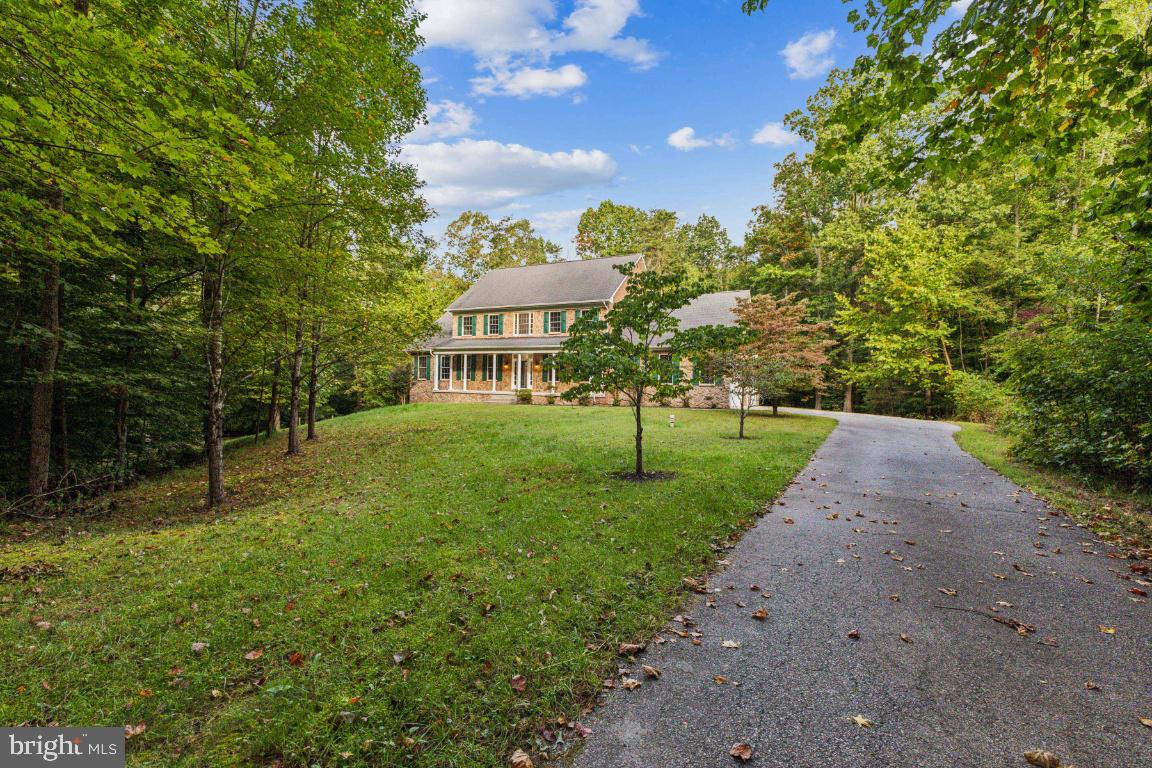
x: 212, y: 318
x: 776, y: 409
x: 313, y: 379
x: 818, y: 404
x: 848, y: 393
x: 743, y: 413
x: 60, y: 430
x: 40, y: 412
x: 274, y: 399
x: 639, y: 437
x: 121, y: 425
x: 294, y: 397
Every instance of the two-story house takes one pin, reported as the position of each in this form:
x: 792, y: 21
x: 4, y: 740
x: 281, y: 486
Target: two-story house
x: 494, y: 339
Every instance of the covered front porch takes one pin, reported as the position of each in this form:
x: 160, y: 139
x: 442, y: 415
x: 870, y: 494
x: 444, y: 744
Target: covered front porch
x: 493, y: 372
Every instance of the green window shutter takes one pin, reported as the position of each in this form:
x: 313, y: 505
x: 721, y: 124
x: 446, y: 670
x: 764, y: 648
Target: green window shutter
x: 459, y: 325
x: 455, y: 365
x: 475, y: 367
x: 500, y: 324
x: 484, y: 319
x: 500, y: 360
x: 564, y: 321
x: 475, y: 322
x: 695, y: 370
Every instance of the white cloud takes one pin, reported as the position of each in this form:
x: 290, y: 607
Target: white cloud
x: 530, y: 81
x: 685, y: 139
x: 808, y: 56
x: 508, y: 37
x: 960, y: 7
x: 557, y: 225
x: 482, y: 174
x: 488, y: 28
x: 776, y: 135
x: 446, y: 120
x: 595, y: 25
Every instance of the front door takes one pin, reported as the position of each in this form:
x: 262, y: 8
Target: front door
x: 524, y: 372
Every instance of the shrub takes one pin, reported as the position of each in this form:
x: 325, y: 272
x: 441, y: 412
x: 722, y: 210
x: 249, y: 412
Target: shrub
x: 551, y: 399
x: 977, y: 398
x: 616, y: 398
x: 584, y: 399
x: 524, y: 396
x: 1084, y: 394
x: 685, y: 401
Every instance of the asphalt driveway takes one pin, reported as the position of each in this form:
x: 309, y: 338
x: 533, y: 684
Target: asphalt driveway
x: 883, y: 570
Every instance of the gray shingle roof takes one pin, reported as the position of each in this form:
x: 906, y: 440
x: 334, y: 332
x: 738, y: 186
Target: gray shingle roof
x: 708, y: 309
x: 557, y: 284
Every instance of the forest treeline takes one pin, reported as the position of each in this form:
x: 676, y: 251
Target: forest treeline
x: 205, y: 226
x: 207, y: 230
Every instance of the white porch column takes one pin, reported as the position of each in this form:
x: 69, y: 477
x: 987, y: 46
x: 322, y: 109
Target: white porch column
x: 492, y: 374
x: 516, y: 382
x: 435, y: 373
x: 552, y: 374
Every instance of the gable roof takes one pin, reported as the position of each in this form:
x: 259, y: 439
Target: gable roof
x: 591, y: 281
x: 708, y: 309
x: 711, y: 309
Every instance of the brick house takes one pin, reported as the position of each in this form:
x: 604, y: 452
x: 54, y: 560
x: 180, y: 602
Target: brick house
x: 495, y: 338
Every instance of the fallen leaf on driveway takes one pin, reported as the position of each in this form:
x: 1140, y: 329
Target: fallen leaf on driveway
x: 630, y: 683
x: 946, y: 591
x: 627, y: 649
x: 789, y: 521
x: 1107, y: 630
x: 741, y: 751
x: 861, y: 721
x: 520, y: 759
x: 1042, y: 759
x: 731, y: 643
x: 1090, y: 686
x: 719, y: 679
x: 1147, y: 721
x: 760, y: 614
x: 906, y: 639
x: 854, y: 634
x: 652, y: 672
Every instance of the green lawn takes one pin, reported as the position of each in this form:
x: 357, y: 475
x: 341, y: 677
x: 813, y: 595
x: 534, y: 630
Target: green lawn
x: 394, y: 579
x: 1116, y: 513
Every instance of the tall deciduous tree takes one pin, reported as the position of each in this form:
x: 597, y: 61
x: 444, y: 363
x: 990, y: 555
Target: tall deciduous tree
x: 474, y: 243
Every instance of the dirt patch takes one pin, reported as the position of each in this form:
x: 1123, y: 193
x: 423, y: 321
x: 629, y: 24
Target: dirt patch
x: 646, y: 477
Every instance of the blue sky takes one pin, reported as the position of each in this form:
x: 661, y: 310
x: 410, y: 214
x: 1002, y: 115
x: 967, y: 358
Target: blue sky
x: 542, y: 108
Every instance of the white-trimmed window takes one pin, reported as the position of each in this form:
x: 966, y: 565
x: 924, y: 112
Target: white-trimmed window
x: 468, y: 325
x: 494, y: 324
x: 555, y: 322
x: 445, y: 366
x: 587, y: 313
x: 423, y: 366
x: 523, y: 323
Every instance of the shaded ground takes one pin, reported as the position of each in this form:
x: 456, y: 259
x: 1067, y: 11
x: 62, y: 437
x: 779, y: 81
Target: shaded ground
x: 896, y: 537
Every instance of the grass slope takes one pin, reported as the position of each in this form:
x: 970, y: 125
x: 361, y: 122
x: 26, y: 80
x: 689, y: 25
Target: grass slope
x: 1117, y: 513
x: 392, y: 581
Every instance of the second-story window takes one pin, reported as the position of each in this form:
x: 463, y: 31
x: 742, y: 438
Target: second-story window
x: 494, y: 325
x: 554, y: 322
x: 523, y: 323
x: 468, y: 325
